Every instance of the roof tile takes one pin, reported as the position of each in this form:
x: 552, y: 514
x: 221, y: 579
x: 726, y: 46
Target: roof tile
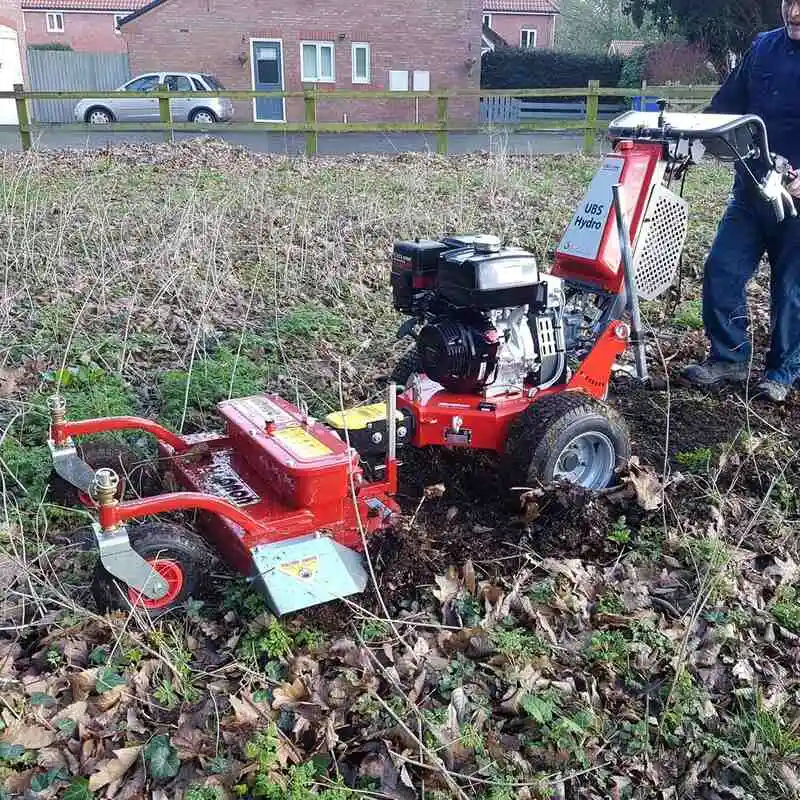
x: 120, y: 6
x: 522, y: 6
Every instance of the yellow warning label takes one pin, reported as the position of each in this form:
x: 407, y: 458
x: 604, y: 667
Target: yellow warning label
x: 356, y: 419
x: 304, y: 569
x: 302, y: 443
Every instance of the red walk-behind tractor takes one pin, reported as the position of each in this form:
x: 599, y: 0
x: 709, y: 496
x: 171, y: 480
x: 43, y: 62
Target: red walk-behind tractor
x: 507, y: 359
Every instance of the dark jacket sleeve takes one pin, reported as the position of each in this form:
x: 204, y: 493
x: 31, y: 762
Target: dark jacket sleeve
x: 732, y: 97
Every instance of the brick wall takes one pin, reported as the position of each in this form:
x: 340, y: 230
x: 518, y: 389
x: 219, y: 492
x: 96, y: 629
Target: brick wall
x: 440, y: 36
x: 11, y: 15
x: 509, y: 27
x: 84, y: 31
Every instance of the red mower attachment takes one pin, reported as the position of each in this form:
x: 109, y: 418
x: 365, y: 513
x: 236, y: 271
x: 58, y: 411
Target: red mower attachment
x: 280, y: 497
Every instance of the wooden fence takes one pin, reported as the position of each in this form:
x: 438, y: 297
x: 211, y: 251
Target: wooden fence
x: 589, y: 122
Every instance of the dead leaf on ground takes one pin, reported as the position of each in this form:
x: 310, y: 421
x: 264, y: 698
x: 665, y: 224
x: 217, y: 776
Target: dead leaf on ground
x: 31, y: 737
x: 83, y: 683
x: 244, y: 712
x: 114, y: 768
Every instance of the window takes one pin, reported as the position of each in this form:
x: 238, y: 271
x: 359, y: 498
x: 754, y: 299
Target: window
x: 178, y: 83
x: 213, y: 83
x: 528, y: 38
x: 487, y: 20
x: 55, y: 22
x: 422, y: 80
x: 117, y: 19
x: 316, y: 62
x: 361, y: 65
x: 144, y: 84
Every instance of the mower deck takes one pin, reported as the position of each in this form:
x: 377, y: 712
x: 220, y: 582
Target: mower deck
x: 296, y: 480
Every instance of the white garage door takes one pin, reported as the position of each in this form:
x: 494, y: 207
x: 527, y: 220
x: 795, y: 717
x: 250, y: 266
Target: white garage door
x: 10, y: 73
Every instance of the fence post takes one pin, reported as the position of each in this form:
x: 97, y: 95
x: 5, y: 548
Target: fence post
x: 441, y: 119
x: 164, y: 113
x: 592, y: 108
x: 22, y: 116
x: 310, y: 103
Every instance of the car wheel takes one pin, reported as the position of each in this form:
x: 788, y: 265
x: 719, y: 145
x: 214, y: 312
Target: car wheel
x: 98, y: 116
x: 203, y: 116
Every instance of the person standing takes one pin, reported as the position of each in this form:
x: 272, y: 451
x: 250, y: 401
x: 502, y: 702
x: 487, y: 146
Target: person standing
x: 765, y: 83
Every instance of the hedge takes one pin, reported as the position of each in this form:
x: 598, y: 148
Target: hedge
x: 515, y: 68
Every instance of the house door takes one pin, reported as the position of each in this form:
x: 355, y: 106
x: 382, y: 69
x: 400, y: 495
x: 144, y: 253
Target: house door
x: 268, y: 77
x: 10, y: 73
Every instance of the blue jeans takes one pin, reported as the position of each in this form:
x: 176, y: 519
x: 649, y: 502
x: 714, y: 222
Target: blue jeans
x: 747, y: 231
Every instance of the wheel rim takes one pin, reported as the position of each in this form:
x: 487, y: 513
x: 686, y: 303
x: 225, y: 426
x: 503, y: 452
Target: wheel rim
x: 203, y: 117
x: 98, y: 118
x: 172, y: 573
x: 588, y: 460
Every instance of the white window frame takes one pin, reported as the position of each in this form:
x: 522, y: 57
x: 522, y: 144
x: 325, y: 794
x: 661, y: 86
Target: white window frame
x: 522, y: 36
x: 117, y: 18
x: 487, y: 20
x: 51, y: 16
x: 318, y: 46
x: 361, y: 46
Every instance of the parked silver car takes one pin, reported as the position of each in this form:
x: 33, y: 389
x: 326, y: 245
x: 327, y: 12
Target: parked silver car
x: 121, y: 108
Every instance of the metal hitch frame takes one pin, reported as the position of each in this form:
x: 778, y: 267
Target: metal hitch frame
x: 116, y: 553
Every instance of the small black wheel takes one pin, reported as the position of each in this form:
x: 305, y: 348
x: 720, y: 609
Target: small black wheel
x: 567, y: 437
x: 140, y: 478
x: 408, y: 364
x: 181, y: 557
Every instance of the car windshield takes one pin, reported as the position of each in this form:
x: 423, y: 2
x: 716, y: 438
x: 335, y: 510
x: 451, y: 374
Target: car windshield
x: 212, y: 82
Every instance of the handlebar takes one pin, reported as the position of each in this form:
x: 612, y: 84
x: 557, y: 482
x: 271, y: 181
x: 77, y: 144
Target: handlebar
x: 724, y: 136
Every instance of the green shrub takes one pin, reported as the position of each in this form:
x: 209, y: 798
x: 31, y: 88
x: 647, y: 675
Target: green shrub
x: 515, y: 68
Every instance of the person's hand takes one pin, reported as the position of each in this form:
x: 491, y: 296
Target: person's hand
x: 794, y: 187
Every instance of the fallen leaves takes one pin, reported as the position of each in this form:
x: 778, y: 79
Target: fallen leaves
x: 114, y: 768
x: 28, y: 736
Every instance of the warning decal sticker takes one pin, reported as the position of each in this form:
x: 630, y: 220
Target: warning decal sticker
x: 302, y: 443
x: 258, y: 408
x: 304, y: 569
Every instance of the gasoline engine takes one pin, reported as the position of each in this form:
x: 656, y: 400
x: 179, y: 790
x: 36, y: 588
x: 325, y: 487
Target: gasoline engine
x: 487, y: 319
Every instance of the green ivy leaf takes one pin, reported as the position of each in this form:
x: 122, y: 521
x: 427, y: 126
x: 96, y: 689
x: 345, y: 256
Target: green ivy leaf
x: 44, y: 780
x: 98, y: 656
x: 42, y: 699
x: 162, y: 757
x: 11, y: 752
x: 107, y: 679
x: 78, y: 790
x: 66, y: 726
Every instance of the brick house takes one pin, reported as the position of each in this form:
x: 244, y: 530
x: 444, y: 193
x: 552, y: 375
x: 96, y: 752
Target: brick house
x: 85, y: 25
x: 523, y: 23
x: 12, y: 56
x: 268, y: 45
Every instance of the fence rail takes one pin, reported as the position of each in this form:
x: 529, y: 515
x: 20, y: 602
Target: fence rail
x: 587, y: 119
